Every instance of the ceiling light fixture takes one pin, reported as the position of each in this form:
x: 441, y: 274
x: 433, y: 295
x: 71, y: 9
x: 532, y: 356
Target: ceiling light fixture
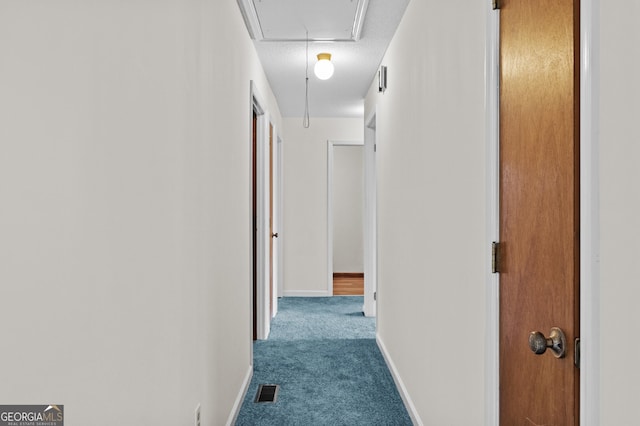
x: 324, y: 67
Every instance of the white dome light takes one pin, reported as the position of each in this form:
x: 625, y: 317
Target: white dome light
x: 323, y: 68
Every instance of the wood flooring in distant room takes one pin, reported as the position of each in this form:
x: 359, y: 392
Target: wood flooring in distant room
x: 348, y: 284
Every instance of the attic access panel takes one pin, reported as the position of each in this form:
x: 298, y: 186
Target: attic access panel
x: 288, y: 20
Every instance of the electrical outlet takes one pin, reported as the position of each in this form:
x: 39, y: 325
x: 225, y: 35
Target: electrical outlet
x: 197, y: 416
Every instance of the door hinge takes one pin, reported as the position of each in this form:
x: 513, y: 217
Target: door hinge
x: 576, y: 353
x: 496, y: 257
x: 496, y: 4
x: 375, y: 295
x: 375, y: 147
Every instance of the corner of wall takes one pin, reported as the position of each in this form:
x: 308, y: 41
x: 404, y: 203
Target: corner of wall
x: 402, y: 389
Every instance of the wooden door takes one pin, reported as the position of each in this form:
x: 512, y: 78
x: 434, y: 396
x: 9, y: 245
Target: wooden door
x: 539, y: 208
x: 254, y: 227
x: 271, y: 233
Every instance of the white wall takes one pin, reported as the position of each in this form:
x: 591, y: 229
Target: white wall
x: 305, y: 200
x: 124, y: 187
x: 619, y: 212
x: 348, y: 214
x: 431, y: 208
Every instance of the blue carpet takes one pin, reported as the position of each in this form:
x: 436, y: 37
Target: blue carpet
x: 323, y: 354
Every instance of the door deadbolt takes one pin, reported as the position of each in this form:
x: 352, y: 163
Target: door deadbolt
x: 557, y: 342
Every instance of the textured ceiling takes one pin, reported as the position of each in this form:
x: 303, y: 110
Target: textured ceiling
x: 356, y: 62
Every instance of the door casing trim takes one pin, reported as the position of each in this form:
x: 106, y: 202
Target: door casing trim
x: 276, y: 175
x: 492, y: 282
x: 589, y: 214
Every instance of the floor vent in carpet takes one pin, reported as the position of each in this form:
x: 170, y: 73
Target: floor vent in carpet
x: 267, y: 393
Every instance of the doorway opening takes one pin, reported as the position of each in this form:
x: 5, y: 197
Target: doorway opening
x: 586, y: 89
x: 370, y: 216
x: 368, y: 224
x: 264, y: 233
x: 345, y: 213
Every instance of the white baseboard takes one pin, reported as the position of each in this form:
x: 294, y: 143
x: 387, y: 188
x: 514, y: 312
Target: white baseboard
x: 404, y: 394
x: 237, y: 405
x: 307, y: 293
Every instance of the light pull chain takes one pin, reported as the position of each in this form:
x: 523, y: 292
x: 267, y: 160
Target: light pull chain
x: 305, y: 120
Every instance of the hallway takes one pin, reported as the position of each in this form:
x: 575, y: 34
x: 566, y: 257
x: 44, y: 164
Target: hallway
x: 126, y: 241
x: 323, y: 354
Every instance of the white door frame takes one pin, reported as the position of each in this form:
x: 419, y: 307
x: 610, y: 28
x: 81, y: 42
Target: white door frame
x: 589, y: 214
x: 370, y: 216
x: 277, y: 223
x: 278, y: 261
x: 263, y: 322
x: 330, y: 148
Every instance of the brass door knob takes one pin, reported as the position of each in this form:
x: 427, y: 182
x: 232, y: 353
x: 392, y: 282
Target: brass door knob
x: 557, y: 342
